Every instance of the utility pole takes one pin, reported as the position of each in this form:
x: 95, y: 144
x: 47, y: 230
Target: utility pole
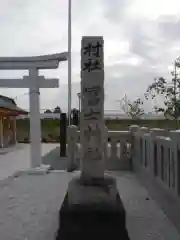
x: 175, y: 85
x: 69, y: 63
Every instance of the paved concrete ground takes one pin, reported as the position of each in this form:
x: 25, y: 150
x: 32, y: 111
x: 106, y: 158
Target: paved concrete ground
x: 145, y: 219
x: 30, y: 201
x: 168, y: 201
x: 53, y: 159
x: 18, y: 158
x: 29, y: 208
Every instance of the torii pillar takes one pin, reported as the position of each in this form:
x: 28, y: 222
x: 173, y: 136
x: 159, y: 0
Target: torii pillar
x: 34, y: 82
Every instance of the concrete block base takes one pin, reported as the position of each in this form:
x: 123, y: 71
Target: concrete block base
x: 105, y: 219
x: 85, y: 191
x: 43, y: 169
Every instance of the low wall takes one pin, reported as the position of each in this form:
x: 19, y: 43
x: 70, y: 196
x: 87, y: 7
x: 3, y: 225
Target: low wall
x: 156, y: 161
x: 116, y: 153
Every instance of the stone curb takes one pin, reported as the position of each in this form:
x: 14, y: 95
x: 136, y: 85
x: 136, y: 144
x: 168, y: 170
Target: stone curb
x: 44, y: 169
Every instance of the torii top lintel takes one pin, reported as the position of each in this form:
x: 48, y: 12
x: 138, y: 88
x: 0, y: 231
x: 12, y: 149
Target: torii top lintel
x: 38, y: 62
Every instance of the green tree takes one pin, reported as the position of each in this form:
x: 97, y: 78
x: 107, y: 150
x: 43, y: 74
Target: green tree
x: 170, y: 93
x: 57, y: 110
x: 132, y: 108
x: 74, y: 110
x: 48, y: 111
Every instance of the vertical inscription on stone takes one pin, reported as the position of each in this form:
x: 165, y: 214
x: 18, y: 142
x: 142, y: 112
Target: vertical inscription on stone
x: 92, y: 89
x: 92, y: 51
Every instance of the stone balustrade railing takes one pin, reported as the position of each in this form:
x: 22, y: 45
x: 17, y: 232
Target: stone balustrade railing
x: 158, y: 152
x: 154, y: 150
x: 117, y: 148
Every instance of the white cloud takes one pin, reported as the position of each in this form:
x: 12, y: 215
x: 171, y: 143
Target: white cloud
x: 141, y: 40
x: 155, y: 8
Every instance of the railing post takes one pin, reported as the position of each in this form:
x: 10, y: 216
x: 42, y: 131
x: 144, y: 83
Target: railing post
x: 134, y: 144
x: 175, y: 160
x: 105, y: 143
x: 143, y: 130
x: 123, y: 151
x: 154, y: 150
x: 72, y: 148
x: 113, y: 147
x: 79, y: 152
x: 166, y: 161
x: 63, y: 134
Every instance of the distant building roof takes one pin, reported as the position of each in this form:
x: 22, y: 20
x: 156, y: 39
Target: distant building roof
x: 9, y: 106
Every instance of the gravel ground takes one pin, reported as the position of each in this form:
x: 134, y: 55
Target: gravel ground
x: 57, y: 163
x: 145, y: 219
x: 29, y: 208
x: 18, y: 158
x: 53, y: 159
x: 29, y: 204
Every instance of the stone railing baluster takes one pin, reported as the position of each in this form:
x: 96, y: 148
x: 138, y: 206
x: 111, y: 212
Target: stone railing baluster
x: 135, y: 145
x: 154, y: 151
x: 113, y: 148
x: 123, y: 150
x: 119, y: 158
x: 142, y: 131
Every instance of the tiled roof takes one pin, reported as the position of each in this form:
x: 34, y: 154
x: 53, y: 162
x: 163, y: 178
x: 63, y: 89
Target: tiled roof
x: 7, y: 99
x: 9, y: 103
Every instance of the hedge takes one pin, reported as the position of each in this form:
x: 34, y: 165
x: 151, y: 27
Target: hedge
x: 118, y: 124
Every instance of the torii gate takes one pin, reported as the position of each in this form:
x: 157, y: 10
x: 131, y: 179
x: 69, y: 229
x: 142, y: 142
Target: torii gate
x: 33, y: 82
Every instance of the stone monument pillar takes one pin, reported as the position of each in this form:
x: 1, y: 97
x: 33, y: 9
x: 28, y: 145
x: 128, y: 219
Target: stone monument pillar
x: 92, y: 206
x: 92, y: 108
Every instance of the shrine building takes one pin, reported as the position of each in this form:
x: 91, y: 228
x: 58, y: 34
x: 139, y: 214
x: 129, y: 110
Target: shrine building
x: 8, y: 113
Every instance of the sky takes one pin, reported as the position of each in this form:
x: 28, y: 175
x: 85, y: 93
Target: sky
x: 141, y: 40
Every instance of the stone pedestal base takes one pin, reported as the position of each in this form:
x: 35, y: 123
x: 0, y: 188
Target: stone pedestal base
x: 88, y: 191
x: 92, y: 211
